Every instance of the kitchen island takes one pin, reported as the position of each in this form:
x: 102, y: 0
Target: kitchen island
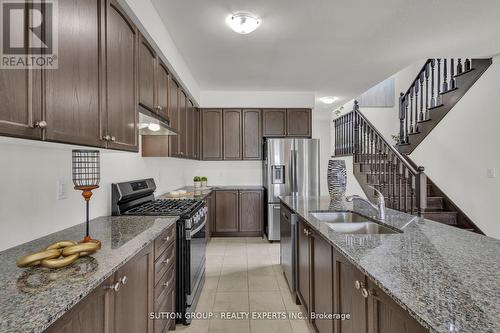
x: 32, y: 299
x: 445, y: 278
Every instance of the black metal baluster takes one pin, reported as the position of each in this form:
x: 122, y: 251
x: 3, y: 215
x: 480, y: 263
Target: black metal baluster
x: 427, y: 72
x: 438, y: 87
x: 459, y: 66
x: 452, y: 74
x: 405, y: 187
x: 415, y: 126
x: 336, y: 137
x: 467, y: 64
x: 445, y: 75
x: 407, y: 138
x: 422, y: 102
x: 412, y: 195
x: 412, y: 90
x: 398, y: 189
x: 433, y: 97
x: 402, y: 138
x: 389, y: 179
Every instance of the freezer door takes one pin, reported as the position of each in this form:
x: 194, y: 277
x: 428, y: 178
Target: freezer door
x: 277, y: 168
x: 306, y: 167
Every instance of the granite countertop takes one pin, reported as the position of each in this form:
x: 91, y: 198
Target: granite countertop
x: 31, y: 299
x: 448, y: 279
x: 200, y: 193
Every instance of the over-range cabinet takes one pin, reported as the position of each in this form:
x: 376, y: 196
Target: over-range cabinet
x: 291, y: 168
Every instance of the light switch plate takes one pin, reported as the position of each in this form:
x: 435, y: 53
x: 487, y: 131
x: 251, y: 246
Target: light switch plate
x: 491, y: 173
x: 62, y: 189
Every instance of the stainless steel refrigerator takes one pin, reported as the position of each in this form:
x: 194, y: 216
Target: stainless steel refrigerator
x: 291, y: 168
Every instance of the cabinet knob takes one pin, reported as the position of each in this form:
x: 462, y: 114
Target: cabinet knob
x: 40, y: 124
x: 166, y: 284
x: 166, y: 239
x: 358, y: 285
x: 166, y: 261
x: 113, y: 139
x: 365, y: 293
x: 106, y: 138
x: 115, y: 286
x: 124, y: 280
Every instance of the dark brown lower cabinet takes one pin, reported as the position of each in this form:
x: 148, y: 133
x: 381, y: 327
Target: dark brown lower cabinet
x: 329, y: 284
x: 322, y: 280
x: 304, y: 265
x: 238, y: 213
x: 123, y: 302
x: 210, y: 202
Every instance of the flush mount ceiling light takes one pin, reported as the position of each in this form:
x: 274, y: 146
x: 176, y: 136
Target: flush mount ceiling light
x: 328, y: 99
x: 243, y: 23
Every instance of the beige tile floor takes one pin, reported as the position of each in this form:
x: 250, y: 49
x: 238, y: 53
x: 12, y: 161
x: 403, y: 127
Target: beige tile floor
x: 243, y: 274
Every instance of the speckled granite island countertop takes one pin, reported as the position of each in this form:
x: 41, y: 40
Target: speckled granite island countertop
x: 448, y: 279
x: 32, y: 299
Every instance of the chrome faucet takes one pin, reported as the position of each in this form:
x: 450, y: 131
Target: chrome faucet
x: 380, y: 206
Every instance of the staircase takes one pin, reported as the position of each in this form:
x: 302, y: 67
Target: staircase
x: 439, y: 85
x: 379, y: 164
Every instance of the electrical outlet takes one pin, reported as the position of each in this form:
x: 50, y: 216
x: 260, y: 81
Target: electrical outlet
x: 491, y: 173
x: 62, y: 189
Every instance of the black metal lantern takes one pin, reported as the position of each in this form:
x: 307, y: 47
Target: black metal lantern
x: 86, y: 177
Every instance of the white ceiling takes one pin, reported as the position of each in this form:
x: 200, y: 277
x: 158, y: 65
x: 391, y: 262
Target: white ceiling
x: 330, y: 47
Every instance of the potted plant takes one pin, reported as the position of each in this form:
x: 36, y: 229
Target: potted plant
x: 204, y: 181
x: 197, y: 181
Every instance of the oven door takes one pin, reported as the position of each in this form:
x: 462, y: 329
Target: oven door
x: 196, y: 245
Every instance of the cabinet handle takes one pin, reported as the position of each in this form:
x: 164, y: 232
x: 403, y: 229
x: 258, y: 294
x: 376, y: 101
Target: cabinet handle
x: 40, y: 124
x: 124, y: 280
x: 113, y: 139
x: 365, y: 293
x: 166, y: 261
x: 115, y: 286
x: 306, y: 232
x: 166, y: 239
x: 106, y: 138
x: 358, y: 285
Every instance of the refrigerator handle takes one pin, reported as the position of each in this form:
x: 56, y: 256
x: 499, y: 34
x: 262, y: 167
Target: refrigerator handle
x: 293, y: 172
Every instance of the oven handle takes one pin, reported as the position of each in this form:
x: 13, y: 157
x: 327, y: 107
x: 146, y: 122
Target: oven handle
x: 195, y: 231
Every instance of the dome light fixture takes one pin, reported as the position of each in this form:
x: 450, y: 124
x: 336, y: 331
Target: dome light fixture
x: 243, y: 23
x: 328, y: 99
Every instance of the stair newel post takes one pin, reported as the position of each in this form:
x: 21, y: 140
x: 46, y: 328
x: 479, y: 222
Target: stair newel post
x: 459, y: 66
x: 412, y: 90
x: 421, y: 97
x: 421, y: 187
x: 401, y: 119
x: 445, y: 75
x: 467, y: 64
x: 452, y: 74
x: 433, y: 96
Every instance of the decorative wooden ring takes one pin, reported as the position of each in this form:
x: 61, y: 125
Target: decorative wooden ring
x: 81, y: 249
x: 60, y: 262
x: 61, y: 244
x: 35, y: 258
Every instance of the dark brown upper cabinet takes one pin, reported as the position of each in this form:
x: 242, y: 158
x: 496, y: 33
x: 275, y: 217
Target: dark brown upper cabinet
x: 173, y: 112
x: 182, y: 137
x: 274, y: 122
x: 147, y: 69
x: 252, y: 134
x: 232, y: 140
x: 298, y: 122
x: 196, y: 132
x: 120, y: 123
x: 226, y: 211
x: 251, y: 211
x: 211, y: 132
x: 20, y: 107
x: 72, y: 92
x: 162, y: 90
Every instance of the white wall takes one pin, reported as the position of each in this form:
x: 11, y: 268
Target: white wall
x: 457, y: 153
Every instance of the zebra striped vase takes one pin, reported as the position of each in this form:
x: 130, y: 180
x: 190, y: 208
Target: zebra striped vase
x: 337, y: 178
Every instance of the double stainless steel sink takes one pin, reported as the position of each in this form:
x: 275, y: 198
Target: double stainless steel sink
x: 351, y: 223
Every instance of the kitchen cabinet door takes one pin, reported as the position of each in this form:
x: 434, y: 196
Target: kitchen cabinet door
x: 298, y: 122
x: 226, y: 211
x: 252, y: 134
x: 147, y: 68
x: 251, y: 211
x: 190, y: 129
x: 162, y: 90
x: 72, y: 92
x: 196, y: 133
x: 348, y: 286
x: 232, y: 135
x: 134, y: 300
x: 303, y: 265
x: 274, y: 122
x: 386, y: 316
x: 121, y: 82
x: 91, y: 315
x: 322, y: 277
x: 211, y: 131
x: 173, y: 112
x: 210, y: 202
x: 182, y: 124
x: 20, y: 107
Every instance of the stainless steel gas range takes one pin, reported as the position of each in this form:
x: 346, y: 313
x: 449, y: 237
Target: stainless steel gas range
x: 137, y: 198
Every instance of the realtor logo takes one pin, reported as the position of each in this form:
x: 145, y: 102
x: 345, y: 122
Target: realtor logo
x: 28, y: 34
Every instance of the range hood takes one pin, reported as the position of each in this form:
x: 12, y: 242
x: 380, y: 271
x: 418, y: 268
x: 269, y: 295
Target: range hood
x: 151, y: 124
